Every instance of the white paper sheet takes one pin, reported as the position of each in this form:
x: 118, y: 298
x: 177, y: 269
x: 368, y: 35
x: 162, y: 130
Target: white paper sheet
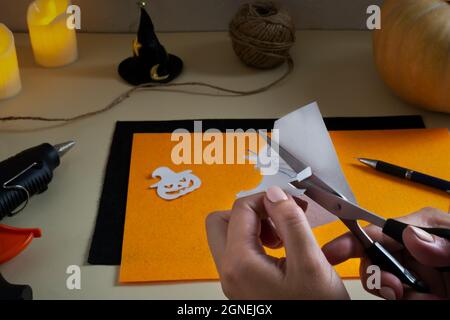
x: 303, y: 133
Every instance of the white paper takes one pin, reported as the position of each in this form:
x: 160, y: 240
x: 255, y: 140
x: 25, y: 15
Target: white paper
x: 283, y: 179
x: 173, y: 185
x: 303, y: 133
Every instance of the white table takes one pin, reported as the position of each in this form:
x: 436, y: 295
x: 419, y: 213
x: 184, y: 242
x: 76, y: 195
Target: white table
x: 333, y: 67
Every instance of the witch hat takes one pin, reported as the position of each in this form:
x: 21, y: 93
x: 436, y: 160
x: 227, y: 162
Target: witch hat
x: 150, y: 61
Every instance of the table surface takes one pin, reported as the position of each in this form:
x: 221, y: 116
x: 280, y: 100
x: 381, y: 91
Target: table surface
x: 334, y: 68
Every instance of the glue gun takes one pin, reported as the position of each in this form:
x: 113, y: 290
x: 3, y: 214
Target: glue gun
x: 9, y: 291
x: 27, y: 174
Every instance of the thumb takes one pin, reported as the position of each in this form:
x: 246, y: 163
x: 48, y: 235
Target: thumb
x: 292, y: 227
x: 428, y: 249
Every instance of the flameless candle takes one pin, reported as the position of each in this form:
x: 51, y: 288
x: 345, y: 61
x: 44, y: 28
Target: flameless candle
x: 54, y: 43
x: 10, y: 84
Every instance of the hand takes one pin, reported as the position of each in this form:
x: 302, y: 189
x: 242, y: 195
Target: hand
x: 236, y: 240
x: 421, y: 255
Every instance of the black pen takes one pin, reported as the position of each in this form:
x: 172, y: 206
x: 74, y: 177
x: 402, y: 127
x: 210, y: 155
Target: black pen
x: 408, y: 174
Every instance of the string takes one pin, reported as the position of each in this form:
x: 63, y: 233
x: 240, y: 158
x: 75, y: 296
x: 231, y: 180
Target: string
x: 144, y: 87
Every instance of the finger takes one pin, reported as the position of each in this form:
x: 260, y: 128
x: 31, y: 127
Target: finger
x: 216, y: 230
x: 302, y: 203
x: 245, y: 263
x: 427, y: 217
x: 269, y: 235
x: 428, y: 249
x: 292, y: 227
x: 390, y: 284
x: 343, y: 248
x: 432, y: 277
x: 347, y: 246
x: 380, y: 283
x: 244, y: 227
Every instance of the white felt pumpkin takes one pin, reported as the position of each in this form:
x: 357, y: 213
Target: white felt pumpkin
x: 173, y: 185
x: 412, y: 51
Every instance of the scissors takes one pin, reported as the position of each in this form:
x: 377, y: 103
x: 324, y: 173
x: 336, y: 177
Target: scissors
x: 349, y: 213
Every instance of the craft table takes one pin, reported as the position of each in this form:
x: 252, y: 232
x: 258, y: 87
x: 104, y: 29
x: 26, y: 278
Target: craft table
x: 333, y: 67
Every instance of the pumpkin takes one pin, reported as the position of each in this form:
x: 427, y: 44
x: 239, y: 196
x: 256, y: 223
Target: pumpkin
x: 412, y: 51
x: 174, y: 185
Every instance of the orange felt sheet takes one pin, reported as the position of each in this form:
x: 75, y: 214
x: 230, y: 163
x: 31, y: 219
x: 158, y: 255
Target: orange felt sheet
x: 166, y: 240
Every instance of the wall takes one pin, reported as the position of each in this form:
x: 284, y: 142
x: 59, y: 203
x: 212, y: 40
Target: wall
x: 195, y: 15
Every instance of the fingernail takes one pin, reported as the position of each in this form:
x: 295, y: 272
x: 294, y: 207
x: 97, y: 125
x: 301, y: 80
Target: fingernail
x: 422, y: 234
x: 276, y: 194
x: 387, y: 293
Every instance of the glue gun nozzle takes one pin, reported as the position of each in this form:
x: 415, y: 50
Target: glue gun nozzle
x: 63, y: 148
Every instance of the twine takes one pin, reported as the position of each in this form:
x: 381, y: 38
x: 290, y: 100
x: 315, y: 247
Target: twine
x: 127, y: 94
x: 262, y: 34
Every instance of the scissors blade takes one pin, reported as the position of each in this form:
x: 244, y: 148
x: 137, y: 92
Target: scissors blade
x: 322, y: 193
x: 341, y: 208
x: 298, y: 166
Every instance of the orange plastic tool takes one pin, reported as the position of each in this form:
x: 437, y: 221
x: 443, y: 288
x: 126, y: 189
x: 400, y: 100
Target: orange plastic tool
x: 14, y: 240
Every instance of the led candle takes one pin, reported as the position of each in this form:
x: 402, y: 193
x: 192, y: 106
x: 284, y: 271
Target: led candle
x: 54, y: 44
x: 10, y: 84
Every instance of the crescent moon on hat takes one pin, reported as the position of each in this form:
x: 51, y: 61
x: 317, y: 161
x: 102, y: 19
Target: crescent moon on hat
x: 154, y: 74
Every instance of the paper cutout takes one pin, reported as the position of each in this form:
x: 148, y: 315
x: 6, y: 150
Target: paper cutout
x: 174, y: 185
x: 282, y: 179
x: 304, y: 134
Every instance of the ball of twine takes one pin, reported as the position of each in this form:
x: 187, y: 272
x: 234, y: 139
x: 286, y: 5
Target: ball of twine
x: 262, y: 34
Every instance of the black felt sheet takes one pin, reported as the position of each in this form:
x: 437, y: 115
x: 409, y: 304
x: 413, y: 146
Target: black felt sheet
x: 106, y: 245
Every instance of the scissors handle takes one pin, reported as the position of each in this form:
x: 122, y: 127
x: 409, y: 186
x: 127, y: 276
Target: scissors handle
x: 394, y: 229
x: 381, y: 257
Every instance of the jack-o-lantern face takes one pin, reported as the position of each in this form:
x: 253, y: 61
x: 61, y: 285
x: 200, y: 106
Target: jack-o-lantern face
x: 174, y: 185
